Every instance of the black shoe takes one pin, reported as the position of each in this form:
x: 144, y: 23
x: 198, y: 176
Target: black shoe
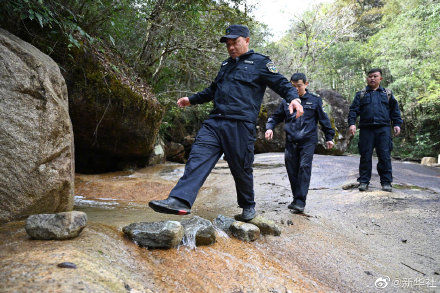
x: 387, y: 187
x: 296, y: 208
x: 248, y: 214
x: 363, y: 187
x: 171, y: 205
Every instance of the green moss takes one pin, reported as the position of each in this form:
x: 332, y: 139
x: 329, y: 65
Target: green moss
x: 407, y: 186
x: 95, y: 84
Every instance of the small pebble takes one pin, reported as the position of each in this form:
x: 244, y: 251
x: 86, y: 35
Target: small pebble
x: 67, y: 265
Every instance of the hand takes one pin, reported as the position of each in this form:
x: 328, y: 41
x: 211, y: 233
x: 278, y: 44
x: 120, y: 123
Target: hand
x: 183, y: 102
x: 295, y: 105
x: 352, y: 129
x: 396, y: 130
x: 269, y: 134
x: 329, y: 144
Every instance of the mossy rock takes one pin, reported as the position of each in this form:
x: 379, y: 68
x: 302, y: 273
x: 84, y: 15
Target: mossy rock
x: 115, y: 116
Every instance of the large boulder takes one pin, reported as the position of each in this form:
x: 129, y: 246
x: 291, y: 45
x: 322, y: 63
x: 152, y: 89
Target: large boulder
x: 115, y: 116
x: 36, y: 139
x: 175, y: 152
x: 337, y: 109
x: 428, y: 161
x: 270, y: 103
x: 334, y: 105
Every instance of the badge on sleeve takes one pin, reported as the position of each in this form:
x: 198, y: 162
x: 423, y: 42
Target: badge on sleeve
x: 272, y: 68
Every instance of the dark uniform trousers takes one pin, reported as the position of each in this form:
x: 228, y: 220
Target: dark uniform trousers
x: 380, y: 139
x: 298, y: 160
x: 234, y: 138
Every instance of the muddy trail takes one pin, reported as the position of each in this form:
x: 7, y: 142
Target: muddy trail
x: 347, y: 241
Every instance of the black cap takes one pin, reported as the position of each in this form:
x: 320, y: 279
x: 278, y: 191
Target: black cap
x: 234, y: 31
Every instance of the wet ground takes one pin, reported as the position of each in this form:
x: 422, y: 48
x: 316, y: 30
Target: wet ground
x: 347, y: 241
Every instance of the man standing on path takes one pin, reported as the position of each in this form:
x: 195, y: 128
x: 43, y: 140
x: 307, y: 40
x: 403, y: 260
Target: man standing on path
x: 301, y: 139
x: 377, y: 109
x: 237, y: 92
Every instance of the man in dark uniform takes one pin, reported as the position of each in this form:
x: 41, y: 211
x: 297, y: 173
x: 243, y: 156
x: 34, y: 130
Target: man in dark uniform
x: 301, y: 139
x: 237, y: 92
x: 377, y: 109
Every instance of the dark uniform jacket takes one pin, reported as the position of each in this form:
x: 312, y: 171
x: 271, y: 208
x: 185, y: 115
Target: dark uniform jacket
x: 239, y: 87
x: 374, y: 109
x: 303, y: 129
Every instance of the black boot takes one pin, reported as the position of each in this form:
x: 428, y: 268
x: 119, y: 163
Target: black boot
x: 296, y: 207
x: 171, y: 205
x: 248, y: 214
x: 363, y: 187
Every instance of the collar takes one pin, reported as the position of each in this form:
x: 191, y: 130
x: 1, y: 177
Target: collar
x: 242, y: 56
x: 379, y: 89
x: 305, y: 95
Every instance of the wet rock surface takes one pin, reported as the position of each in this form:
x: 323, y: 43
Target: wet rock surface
x: 61, y: 226
x: 245, y: 231
x: 266, y: 226
x: 223, y: 223
x: 198, y: 231
x: 104, y: 260
x: 163, y: 234
x: 345, y: 241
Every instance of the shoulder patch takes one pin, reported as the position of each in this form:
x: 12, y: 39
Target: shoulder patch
x: 271, y: 66
x: 224, y: 63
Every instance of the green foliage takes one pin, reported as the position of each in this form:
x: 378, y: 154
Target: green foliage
x: 48, y: 21
x: 336, y: 44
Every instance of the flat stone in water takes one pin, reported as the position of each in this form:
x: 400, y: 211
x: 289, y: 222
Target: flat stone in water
x: 267, y: 227
x: 65, y: 225
x: 245, y: 231
x: 163, y: 234
x: 67, y: 265
x: 223, y: 223
x: 198, y: 231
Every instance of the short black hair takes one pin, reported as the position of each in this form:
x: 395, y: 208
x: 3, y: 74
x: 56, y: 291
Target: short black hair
x: 298, y: 76
x: 373, y: 70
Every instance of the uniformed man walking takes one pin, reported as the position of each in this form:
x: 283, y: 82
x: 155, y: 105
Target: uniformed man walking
x: 237, y: 92
x: 378, y: 110
x: 301, y: 139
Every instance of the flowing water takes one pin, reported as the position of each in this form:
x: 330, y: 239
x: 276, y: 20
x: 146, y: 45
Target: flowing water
x: 345, y: 242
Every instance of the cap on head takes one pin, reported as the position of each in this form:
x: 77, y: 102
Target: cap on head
x: 234, y: 31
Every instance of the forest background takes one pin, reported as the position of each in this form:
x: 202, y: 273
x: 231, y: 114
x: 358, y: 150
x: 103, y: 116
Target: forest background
x: 174, y: 46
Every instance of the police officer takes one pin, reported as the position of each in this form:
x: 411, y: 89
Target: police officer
x: 377, y: 109
x: 237, y: 92
x: 301, y: 139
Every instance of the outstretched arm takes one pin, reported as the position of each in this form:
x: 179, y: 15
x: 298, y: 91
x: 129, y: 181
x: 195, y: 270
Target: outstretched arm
x: 276, y: 118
